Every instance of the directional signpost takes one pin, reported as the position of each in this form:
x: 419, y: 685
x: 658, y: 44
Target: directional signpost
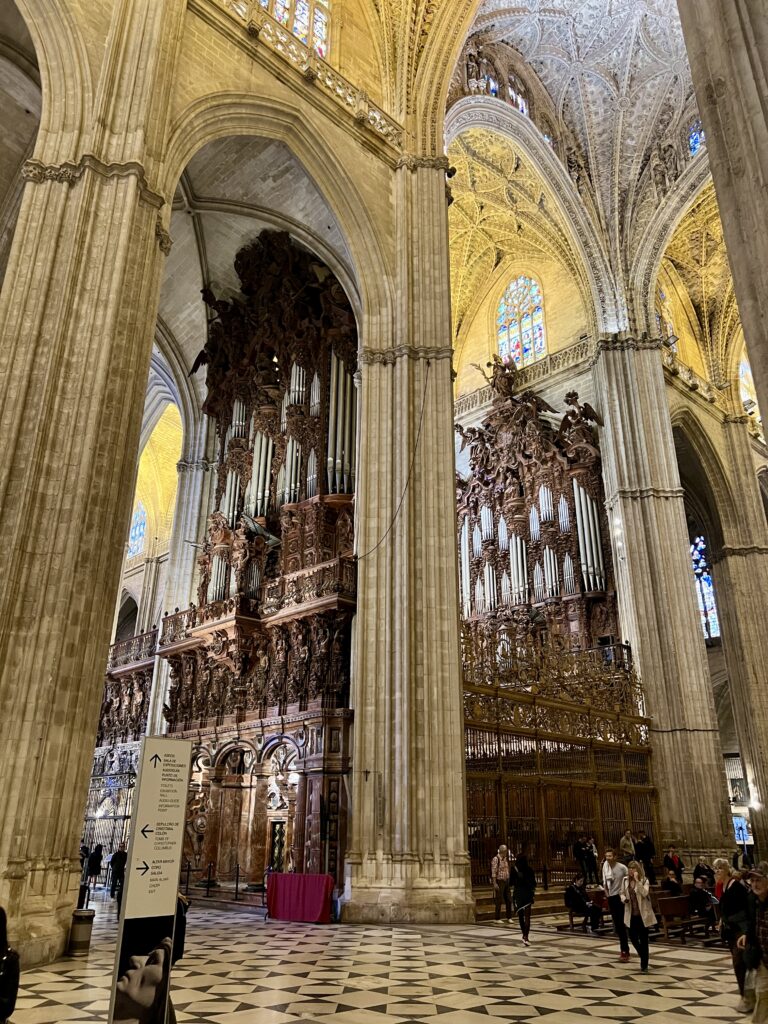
x: 145, y: 939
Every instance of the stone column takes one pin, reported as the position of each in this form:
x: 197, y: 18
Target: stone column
x: 727, y: 43
x: 77, y: 313
x: 407, y: 859
x: 741, y: 582
x: 657, y: 602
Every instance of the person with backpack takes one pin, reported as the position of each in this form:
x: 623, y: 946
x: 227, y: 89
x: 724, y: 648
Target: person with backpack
x: 500, y: 870
x: 9, y: 972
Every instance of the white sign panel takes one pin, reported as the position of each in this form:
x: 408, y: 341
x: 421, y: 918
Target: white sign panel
x: 157, y: 828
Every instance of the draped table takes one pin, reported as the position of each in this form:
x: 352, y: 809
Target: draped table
x: 298, y: 897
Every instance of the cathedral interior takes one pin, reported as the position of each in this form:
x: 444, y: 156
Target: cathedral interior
x: 381, y: 412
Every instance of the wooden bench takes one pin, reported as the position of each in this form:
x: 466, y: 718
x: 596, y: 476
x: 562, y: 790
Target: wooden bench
x: 676, y: 921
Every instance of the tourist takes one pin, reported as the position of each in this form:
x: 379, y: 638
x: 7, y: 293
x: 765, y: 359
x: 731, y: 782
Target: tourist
x: 673, y: 862
x: 734, y: 921
x: 671, y: 886
x: 638, y: 911
x: 700, y: 902
x: 523, y: 893
x: 755, y: 943
x: 117, y: 869
x: 9, y: 973
x: 84, y: 851
x: 591, y: 859
x: 94, y: 863
x: 581, y: 905
x: 627, y: 846
x: 646, y: 851
x: 500, y: 880
x: 580, y: 853
x: 705, y: 871
x: 613, y: 875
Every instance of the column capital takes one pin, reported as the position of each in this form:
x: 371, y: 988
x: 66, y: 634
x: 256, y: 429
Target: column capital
x: 390, y: 356
x: 624, y: 342
x: 413, y: 161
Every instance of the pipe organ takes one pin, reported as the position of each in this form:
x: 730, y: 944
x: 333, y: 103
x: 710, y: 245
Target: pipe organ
x: 556, y: 738
x: 533, y: 507
x: 259, y: 666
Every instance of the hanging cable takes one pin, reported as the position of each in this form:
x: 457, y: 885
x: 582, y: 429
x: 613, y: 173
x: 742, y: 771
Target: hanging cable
x: 410, y: 470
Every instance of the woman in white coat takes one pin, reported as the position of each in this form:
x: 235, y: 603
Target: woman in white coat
x: 638, y: 912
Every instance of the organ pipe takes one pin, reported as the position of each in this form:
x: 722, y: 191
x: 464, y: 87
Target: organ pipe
x: 332, y: 397
x: 466, y: 590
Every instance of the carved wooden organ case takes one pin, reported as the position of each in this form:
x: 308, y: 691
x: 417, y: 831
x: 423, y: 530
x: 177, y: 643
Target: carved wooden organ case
x: 531, y: 520
x: 259, y: 667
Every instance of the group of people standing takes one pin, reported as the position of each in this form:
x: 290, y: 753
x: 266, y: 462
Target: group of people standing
x: 91, y: 861
x: 514, y: 882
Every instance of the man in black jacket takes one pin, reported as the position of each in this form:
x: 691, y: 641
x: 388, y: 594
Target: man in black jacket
x: 645, y: 851
x: 117, y: 869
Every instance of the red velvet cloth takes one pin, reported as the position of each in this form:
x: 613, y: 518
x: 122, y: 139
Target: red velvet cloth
x: 296, y: 897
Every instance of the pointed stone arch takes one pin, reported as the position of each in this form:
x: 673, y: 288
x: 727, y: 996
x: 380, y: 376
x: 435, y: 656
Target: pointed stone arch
x: 484, y: 112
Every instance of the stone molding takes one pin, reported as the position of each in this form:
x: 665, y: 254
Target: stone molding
x: 642, y: 493
x: 741, y: 551
x: 413, y: 161
x: 192, y: 465
x: 388, y: 357
x: 69, y: 173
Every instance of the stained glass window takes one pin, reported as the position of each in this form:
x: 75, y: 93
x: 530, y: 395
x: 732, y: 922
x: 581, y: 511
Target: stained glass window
x: 520, y: 333
x: 304, y: 18
x: 516, y: 95
x: 138, y: 531
x: 705, y: 590
x: 747, y: 387
x: 696, y: 137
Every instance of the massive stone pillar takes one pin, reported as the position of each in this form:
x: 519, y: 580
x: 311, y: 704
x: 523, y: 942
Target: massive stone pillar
x: 407, y: 859
x: 77, y: 313
x: 657, y: 603
x: 741, y: 588
x: 727, y: 43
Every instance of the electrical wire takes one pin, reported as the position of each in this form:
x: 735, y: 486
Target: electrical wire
x: 388, y: 530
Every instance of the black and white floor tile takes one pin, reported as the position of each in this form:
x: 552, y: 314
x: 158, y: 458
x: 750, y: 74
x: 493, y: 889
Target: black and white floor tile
x: 239, y: 970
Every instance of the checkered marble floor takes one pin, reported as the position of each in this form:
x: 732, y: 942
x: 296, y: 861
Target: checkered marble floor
x: 239, y: 970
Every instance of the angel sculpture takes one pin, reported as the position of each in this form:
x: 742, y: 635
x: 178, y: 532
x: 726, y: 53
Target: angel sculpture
x: 502, y: 378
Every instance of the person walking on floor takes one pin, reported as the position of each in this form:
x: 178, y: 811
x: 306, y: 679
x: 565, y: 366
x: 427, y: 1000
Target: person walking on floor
x: 733, y: 897
x: 755, y: 943
x: 94, y: 863
x: 523, y: 894
x: 9, y: 972
x: 117, y: 869
x: 613, y: 875
x: 500, y: 872
x: 638, y: 911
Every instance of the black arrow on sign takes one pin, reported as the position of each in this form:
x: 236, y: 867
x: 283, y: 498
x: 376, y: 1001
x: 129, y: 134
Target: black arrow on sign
x: 143, y: 869
x: 156, y: 760
x: 146, y: 831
